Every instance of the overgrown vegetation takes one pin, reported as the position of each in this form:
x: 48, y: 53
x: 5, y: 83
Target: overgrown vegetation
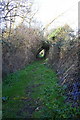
x: 36, y: 86
x: 61, y: 33
x: 35, y: 91
x: 23, y: 48
x: 20, y: 41
x: 63, y: 57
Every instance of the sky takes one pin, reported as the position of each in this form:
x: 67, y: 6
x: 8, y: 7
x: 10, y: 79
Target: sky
x: 49, y: 9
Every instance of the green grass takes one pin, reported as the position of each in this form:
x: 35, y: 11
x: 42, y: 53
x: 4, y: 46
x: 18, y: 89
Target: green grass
x: 38, y: 83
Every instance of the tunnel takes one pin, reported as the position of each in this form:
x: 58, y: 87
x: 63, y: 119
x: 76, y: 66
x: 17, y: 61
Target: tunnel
x: 43, y: 51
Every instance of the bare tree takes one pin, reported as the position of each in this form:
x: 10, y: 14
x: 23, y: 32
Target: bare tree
x: 11, y: 9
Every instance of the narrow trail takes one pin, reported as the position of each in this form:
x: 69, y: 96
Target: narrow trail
x: 27, y: 87
x: 33, y: 101
x: 31, y: 105
x: 37, y: 94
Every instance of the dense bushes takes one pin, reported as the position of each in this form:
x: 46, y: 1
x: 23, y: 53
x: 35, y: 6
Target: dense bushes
x: 21, y: 48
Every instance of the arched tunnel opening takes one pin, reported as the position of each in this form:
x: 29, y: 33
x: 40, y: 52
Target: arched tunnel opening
x: 43, y: 51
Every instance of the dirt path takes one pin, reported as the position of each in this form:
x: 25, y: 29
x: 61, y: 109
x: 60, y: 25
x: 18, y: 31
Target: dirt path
x: 30, y: 105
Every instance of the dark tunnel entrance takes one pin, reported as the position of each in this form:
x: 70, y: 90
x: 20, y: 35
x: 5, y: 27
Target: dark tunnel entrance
x: 43, y: 51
